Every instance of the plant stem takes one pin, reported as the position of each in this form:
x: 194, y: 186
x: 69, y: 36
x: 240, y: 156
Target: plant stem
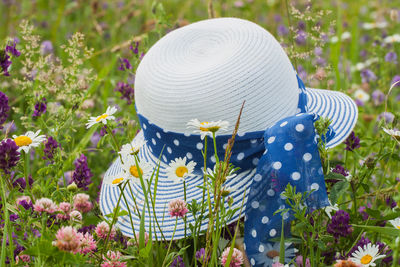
x: 6, y: 221
x: 129, y: 212
x: 172, y: 238
x: 26, y: 170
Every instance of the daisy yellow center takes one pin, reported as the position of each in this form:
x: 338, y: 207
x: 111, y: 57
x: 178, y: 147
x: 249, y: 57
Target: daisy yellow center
x: 117, y: 181
x: 366, y: 259
x: 181, y: 171
x: 398, y: 227
x: 99, y: 118
x: 134, y: 171
x: 23, y: 140
x: 272, y: 254
x: 204, y: 129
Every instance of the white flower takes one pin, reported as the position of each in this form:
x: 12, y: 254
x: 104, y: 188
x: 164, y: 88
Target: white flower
x: 269, y: 254
x: 133, y: 172
x: 343, y: 37
x: 329, y: 209
x: 179, y: 170
x: 102, y: 118
x: 374, y: 25
x: 361, y: 95
x: 132, y: 148
x: 395, y: 223
x: 28, y: 140
x: 395, y: 38
x: 395, y: 134
x: 366, y: 255
x: 207, y: 128
x: 118, y: 179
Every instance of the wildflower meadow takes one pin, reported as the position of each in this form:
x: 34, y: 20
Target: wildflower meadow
x: 68, y: 113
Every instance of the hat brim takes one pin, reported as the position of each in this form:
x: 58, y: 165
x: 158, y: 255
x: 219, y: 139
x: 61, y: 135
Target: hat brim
x: 337, y: 106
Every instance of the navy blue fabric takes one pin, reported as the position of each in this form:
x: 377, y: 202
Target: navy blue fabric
x: 291, y: 156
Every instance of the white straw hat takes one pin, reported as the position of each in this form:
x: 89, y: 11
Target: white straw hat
x: 206, y: 70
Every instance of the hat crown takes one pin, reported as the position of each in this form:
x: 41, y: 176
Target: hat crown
x: 207, y: 69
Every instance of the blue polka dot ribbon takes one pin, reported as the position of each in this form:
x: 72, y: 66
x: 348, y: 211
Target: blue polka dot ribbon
x: 291, y: 157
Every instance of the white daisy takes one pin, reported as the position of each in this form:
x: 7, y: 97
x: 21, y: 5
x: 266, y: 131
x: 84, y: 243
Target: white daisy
x: 207, y: 128
x: 117, y: 179
x: 395, y: 38
x: 374, y: 25
x: 366, y: 255
x: 133, y: 172
x: 102, y: 118
x: 28, y: 140
x: 395, y: 223
x: 329, y: 209
x: 361, y: 95
x: 395, y: 134
x: 179, y: 170
x: 132, y: 148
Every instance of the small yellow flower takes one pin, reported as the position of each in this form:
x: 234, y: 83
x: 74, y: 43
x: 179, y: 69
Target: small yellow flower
x: 102, y: 118
x: 207, y: 128
x: 395, y: 134
x: 28, y: 140
x: 395, y: 223
x: 366, y: 255
x: 118, y: 181
x: 178, y: 169
x: 133, y: 171
x: 132, y: 148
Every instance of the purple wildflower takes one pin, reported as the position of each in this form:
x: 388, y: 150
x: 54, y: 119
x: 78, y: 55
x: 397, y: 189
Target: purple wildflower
x: 339, y: 225
x: 126, y: 90
x: 352, y: 142
x: 391, y: 57
x: 5, y: 62
x: 9, y: 156
x: 277, y: 18
x: 4, y: 108
x: 200, y: 254
x: 40, y: 108
x: 11, y: 48
x: 301, y: 72
x: 13, y: 217
x: 385, y: 249
x: 362, y: 211
x: 178, y: 262
x: 94, y: 140
x: 82, y: 173
x: 50, y: 148
x: 363, y: 53
x: 26, y: 204
x: 396, y: 79
x: 301, y: 37
x: 367, y: 76
x: 378, y: 97
x: 391, y: 202
x: 282, y: 30
x: 301, y: 25
x: 135, y: 49
x: 125, y: 65
x: 87, y: 229
x: 388, y: 117
x: 20, y: 183
x: 46, y: 48
x: 340, y: 170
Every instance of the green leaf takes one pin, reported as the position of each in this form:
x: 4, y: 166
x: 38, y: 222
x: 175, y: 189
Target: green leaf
x: 338, y: 190
x: 374, y: 213
x: 334, y: 175
x: 388, y: 231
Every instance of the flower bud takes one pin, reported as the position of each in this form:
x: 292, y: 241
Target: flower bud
x: 72, y: 187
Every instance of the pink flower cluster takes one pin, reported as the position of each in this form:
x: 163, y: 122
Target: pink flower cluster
x: 68, y: 239
x: 45, y: 205
x: 236, y: 259
x: 65, y: 209
x: 177, y: 208
x: 102, y: 230
x: 112, y: 260
x: 82, y: 203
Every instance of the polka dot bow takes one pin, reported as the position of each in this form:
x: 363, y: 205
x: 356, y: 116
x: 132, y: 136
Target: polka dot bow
x: 291, y: 157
